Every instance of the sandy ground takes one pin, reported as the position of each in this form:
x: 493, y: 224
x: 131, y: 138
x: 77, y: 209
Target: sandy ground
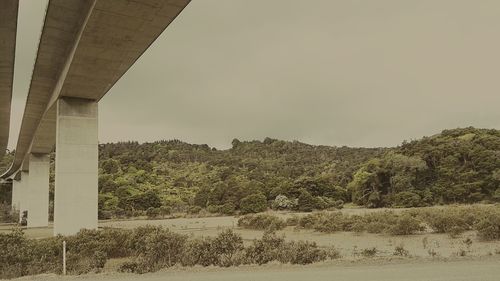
x: 487, y: 269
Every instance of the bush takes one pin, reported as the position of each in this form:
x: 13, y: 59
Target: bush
x: 214, y: 209
x: 165, y: 211
x: 489, y: 227
x: 149, y: 249
x: 261, y: 222
x: 193, y: 210
x: 265, y: 250
x: 453, y: 220
x: 160, y: 248
x: 306, y: 202
x: 281, y: 202
x: 225, y: 246
x: 7, y: 215
x: 369, y: 252
x: 152, y: 213
x: 228, y: 209
x: 406, y: 225
x: 254, y: 203
x: 401, y: 251
x: 200, y: 251
x: 303, y: 252
x: 407, y: 199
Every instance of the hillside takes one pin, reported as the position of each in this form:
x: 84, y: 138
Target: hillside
x: 455, y: 166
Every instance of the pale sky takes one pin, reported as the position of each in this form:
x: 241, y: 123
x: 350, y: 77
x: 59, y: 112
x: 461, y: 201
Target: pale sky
x: 357, y: 73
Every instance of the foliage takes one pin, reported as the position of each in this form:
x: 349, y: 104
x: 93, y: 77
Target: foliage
x: 456, y: 166
x: 253, y: 203
x: 7, y: 214
x: 369, y: 252
x: 489, y: 227
x: 261, y: 222
x: 246, y: 178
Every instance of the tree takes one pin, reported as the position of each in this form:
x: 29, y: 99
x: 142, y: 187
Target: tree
x: 110, y: 166
x: 253, y: 203
x: 306, y: 202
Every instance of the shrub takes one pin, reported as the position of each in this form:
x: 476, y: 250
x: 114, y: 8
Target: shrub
x: 193, y: 210
x: 406, y: 225
x: 369, y: 252
x: 306, y: 202
x: 108, y: 241
x: 330, y: 222
x: 303, y: 252
x: 454, y: 220
x: 489, y: 227
x: 14, y: 254
x: 228, y: 209
x: 333, y: 253
x: 261, y: 222
x: 401, y: 251
x: 152, y: 213
x: 254, y: 203
x: 407, y: 199
x: 281, y: 202
x: 160, y: 248
x: 226, y: 245
x: 200, y: 251
x: 266, y: 249
x: 293, y: 220
x: 214, y: 209
x: 8, y: 215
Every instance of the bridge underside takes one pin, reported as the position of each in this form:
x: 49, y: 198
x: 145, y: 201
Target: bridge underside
x: 85, y: 48
x: 8, y: 31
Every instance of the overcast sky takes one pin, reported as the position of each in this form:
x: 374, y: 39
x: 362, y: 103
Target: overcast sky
x: 357, y: 73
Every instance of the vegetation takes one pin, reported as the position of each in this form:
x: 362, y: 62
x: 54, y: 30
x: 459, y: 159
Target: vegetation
x: 156, y: 179
x: 147, y: 249
x: 7, y: 214
x: 261, y: 222
x: 452, y: 220
x: 456, y: 166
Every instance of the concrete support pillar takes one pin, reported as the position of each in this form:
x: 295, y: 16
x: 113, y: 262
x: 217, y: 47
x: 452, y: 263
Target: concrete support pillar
x: 23, y: 193
x: 75, y: 202
x: 16, y: 195
x: 38, y: 190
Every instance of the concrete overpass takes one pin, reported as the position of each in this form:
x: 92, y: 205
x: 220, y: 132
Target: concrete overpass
x: 85, y: 48
x: 8, y: 29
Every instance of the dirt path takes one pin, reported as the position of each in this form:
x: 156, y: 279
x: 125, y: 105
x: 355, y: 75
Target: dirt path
x: 463, y: 270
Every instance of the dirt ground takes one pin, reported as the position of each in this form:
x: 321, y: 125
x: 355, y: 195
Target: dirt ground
x: 486, y: 269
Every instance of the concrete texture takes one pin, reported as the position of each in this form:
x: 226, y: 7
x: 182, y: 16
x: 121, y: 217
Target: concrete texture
x: 16, y: 195
x: 23, y: 193
x: 85, y: 48
x: 38, y: 190
x: 75, y: 202
x: 8, y: 30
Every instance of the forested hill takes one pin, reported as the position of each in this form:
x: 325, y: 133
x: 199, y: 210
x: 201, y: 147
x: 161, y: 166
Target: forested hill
x: 455, y: 166
x: 185, y: 175
x: 459, y: 165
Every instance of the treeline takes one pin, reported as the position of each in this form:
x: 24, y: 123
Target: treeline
x: 155, y: 179
x: 166, y: 176
x: 456, y: 166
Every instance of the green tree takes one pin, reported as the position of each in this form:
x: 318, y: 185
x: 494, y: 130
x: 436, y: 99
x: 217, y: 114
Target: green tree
x: 253, y: 203
x: 306, y: 202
